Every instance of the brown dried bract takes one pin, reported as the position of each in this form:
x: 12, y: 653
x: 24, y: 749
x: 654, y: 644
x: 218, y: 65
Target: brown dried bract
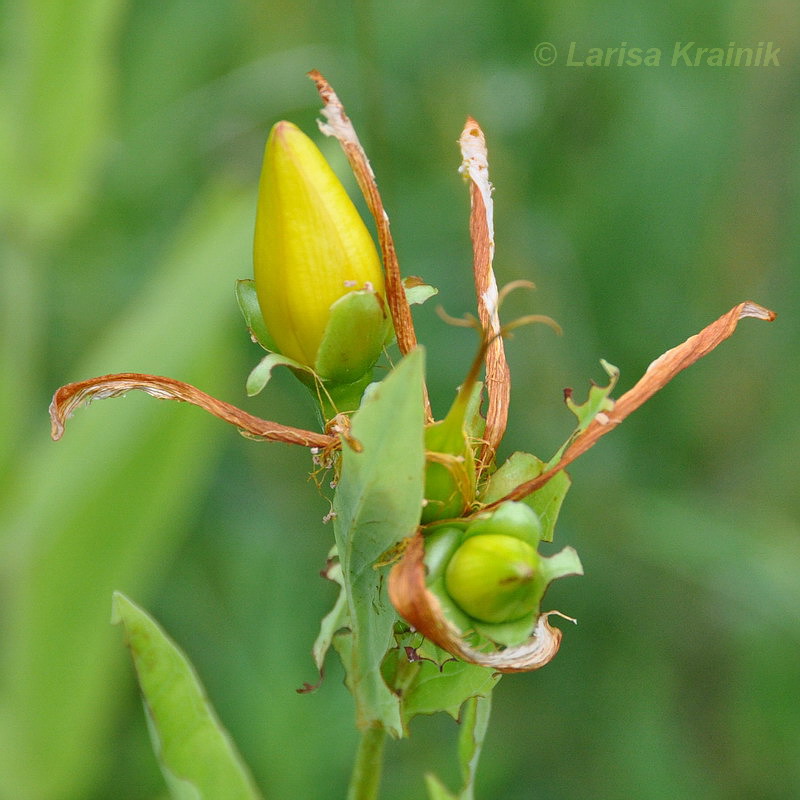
x: 421, y: 608
x: 339, y: 126
x: 70, y: 397
x: 658, y: 375
x: 481, y: 228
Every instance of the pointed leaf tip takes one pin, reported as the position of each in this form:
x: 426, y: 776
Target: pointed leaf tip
x: 196, y: 754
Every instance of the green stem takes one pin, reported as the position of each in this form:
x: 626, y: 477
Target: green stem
x: 366, y: 777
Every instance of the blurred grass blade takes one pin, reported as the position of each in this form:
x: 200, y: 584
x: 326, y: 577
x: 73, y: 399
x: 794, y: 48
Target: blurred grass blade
x: 196, y: 754
x: 107, y: 507
x: 56, y: 89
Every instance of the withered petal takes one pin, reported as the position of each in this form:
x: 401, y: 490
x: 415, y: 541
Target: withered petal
x: 339, y: 126
x: 658, y: 374
x: 421, y: 608
x: 481, y: 228
x: 73, y: 395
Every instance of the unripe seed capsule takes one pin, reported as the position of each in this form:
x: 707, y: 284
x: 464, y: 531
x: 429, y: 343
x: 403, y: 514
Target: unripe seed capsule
x: 495, y: 578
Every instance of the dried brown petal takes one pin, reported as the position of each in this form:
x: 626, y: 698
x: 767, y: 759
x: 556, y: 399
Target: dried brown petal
x: 73, y: 395
x: 481, y: 228
x: 339, y: 126
x: 658, y: 374
x: 421, y: 608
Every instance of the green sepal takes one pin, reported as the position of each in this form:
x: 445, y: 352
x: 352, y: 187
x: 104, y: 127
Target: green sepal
x: 418, y: 292
x: 196, y: 754
x: 474, y: 421
x: 598, y: 399
x: 545, y: 501
x: 462, y: 621
x: 450, y: 468
x: 562, y: 564
x: 511, y: 518
x: 260, y: 374
x: 509, y: 634
x: 440, y: 545
x: 251, y: 311
x: 340, y: 398
x: 353, y: 339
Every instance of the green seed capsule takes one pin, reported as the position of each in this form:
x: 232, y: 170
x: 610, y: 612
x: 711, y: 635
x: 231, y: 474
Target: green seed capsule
x: 495, y: 578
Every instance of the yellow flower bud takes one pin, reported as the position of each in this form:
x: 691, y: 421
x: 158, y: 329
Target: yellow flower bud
x: 311, y: 249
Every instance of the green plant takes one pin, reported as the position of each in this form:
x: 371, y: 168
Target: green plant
x: 435, y: 545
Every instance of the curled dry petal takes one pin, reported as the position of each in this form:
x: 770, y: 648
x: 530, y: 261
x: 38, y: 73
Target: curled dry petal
x: 658, y: 374
x: 339, y: 126
x: 481, y: 227
x: 421, y: 608
x: 73, y: 395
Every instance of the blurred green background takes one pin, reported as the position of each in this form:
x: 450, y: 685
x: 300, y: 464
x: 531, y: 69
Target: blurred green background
x: 644, y: 203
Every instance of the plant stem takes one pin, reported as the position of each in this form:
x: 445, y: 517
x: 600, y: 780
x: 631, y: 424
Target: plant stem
x: 366, y: 777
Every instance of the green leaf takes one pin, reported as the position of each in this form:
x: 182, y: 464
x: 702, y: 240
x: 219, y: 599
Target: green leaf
x: 596, y: 403
x: 50, y: 145
x: 437, y: 790
x: 444, y: 684
x: 546, y: 502
x: 474, y: 722
x: 251, y: 311
x: 196, y: 754
x: 333, y: 621
x: 598, y: 399
x: 377, y: 504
